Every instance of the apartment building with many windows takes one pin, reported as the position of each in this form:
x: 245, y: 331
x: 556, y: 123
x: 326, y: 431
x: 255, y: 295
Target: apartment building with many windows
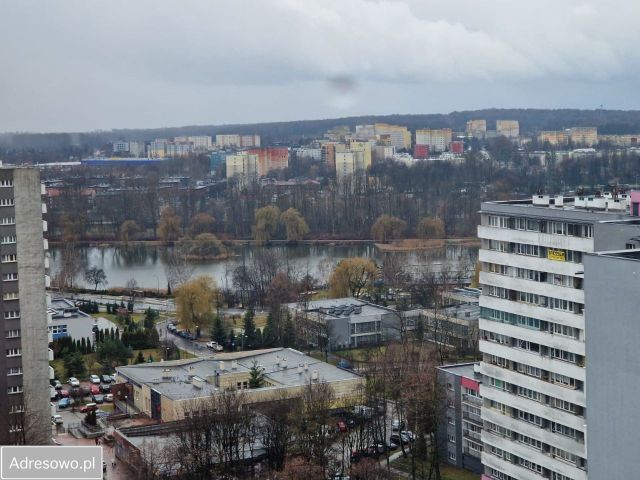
x: 24, y: 354
x: 460, y: 432
x: 532, y: 329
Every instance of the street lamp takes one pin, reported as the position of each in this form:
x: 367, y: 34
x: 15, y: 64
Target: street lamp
x: 126, y: 405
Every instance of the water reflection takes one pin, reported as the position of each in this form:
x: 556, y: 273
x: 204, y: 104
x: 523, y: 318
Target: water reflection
x: 148, y: 264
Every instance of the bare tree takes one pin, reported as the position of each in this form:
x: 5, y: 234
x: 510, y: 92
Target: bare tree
x: 177, y: 268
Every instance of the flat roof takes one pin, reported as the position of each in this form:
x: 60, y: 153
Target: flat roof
x: 630, y: 254
x: 461, y: 370
x: 173, y: 379
x: 343, y: 307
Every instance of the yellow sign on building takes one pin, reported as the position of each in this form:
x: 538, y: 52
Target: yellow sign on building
x: 558, y: 255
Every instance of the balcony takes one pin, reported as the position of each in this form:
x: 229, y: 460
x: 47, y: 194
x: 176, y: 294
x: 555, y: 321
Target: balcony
x: 472, y: 417
x: 471, y: 399
x: 566, y: 242
x: 477, y: 436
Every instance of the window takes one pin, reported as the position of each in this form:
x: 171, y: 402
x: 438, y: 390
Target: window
x: 564, y: 405
x: 16, y: 409
x: 526, y: 249
x: 499, y: 292
x: 498, y: 452
x: 11, y: 314
x: 498, y: 245
x: 564, y: 330
x: 498, y: 475
x: 451, y: 438
x: 6, y: 239
x: 530, y: 465
x: 12, y: 333
x: 14, y: 389
x: 6, y: 183
x: 9, y: 258
x: 529, y: 370
x: 528, y: 393
x: 450, y: 386
x: 505, y: 432
x: 10, y: 296
x: 559, y: 476
x: 499, y: 384
x: 530, y: 418
x: 563, y: 430
x: 14, y: 371
x: 7, y: 221
x: 9, y: 277
x: 13, y: 352
x: 6, y: 202
x: 563, y: 355
x: 451, y: 421
x: 532, y: 442
x: 564, y: 455
x: 471, y: 392
x: 563, y: 380
x: 452, y: 456
x: 58, y: 329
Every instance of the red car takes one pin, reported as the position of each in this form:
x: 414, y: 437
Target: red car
x: 94, y: 390
x: 64, y: 393
x: 342, y: 427
x: 89, y: 407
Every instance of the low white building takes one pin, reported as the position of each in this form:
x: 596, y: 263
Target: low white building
x: 67, y: 320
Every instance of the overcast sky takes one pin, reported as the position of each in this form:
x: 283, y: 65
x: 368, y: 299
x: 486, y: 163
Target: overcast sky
x: 84, y: 65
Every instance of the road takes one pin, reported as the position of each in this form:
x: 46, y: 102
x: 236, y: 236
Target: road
x: 199, y: 349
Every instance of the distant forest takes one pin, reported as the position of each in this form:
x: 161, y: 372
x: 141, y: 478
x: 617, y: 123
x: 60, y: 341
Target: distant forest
x: 300, y: 132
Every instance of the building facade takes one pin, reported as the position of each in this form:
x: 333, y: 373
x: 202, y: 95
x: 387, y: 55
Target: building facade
x: 611, y: 284
x: 532, y: 329
x: 24, y: 389
x: 460, y: 432
x: 399, y: 136
x: 508, y: 128
x: 476, y: 128
x: 554, y: 137
x: 583, y: 136
x: 242, y: 167
x: 437, y: 140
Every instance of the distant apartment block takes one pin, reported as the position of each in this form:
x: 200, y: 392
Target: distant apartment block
x: 583, y: 136
x: 120, y: 147
x: 437, y: 140
x: 476, y: 128
x: 270, y: 158
x: 338, y: 134
x: 457, y: 147
x: 365, y: 132
x: 508, y: 128
x: 237, y: 141
x: 199, y: 142
x: 177, y: 149
x: 24, y: 361
x: 399, y: 137
x: 553, y: 137
x: 157, y: 148
x: 460, y: 431
x: 382, y: 152
x: 242, y: 167
x: 310, y: 153
x: 621, y: 140
x: 420, y: 151
x: 328, y: 154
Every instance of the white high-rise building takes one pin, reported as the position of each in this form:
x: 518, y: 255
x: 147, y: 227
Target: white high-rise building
x: 532, y: 329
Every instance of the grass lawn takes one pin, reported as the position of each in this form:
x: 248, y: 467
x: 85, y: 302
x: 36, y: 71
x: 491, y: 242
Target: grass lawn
x: 136, y: 317
x: 361, y: 354
x: 447, y: 472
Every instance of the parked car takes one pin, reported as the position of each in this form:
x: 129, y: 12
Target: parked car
x: 89, y: 407
x: 94, y: 390
x: 84, y: 390
x: 57, y: 419
x: 64, y: 402
x: 105, y: 379
x: 64, y: 393
x: 113, y: 377
x: 74, y: 382
x: 342, y: 426
x: 98, y: 398
x: 105, y: 387
x: 56, y: 384
x: 95, y: 379
x: 108, y: 397
x: 215, y: 346
x: 53, y: 394
x: 403, y: 437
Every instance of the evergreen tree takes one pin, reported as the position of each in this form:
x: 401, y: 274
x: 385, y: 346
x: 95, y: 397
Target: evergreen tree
x: 83, y: 346
x: 289, y: 337
x: 139, y: 358
x: 150, y: 359
x: 217, y: 333
x: 89, y: 345
x: 270, y: 333
x: 256, y: 376
x: 259, y: 340
x: 249, y: 330
x: 117, y: 333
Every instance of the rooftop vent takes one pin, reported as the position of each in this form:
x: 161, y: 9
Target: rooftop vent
x: 234, y: 364
x: 314, y: 375
x: 221, y: 365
